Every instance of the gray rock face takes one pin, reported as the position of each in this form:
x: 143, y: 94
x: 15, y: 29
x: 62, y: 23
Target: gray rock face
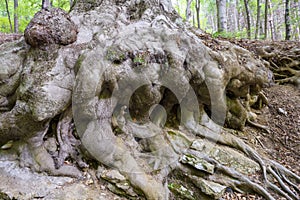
x: 52, y: 26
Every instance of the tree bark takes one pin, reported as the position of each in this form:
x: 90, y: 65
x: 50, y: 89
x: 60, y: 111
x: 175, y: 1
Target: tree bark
x: 16, y: 18
x: 266, y: 19
x: 197, y: 7
x: 287, y: 20
x: 237, y: 15
x: 8, y: 16
x: 221, y: 15
x: 188, y: 12
x: 272, y: 23
x: 257, y: 20
x: 46, y: 4
x: 248, y: 19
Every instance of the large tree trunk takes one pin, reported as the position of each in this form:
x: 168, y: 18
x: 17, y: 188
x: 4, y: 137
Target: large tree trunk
x: 141, y: 93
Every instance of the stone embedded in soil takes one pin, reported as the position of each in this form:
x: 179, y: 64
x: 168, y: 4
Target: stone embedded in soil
x: 210, y: 188
x: 198, y: 163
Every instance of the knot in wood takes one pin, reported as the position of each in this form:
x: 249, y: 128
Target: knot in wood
x: 50, y: 26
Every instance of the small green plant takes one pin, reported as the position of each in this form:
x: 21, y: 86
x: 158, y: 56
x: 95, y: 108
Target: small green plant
x: 139, y: 60
x: 114, y: 55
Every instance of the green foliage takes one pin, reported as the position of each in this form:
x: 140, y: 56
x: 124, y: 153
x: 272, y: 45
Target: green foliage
x: 208, y: 17
x: 237, y: 34
x: 25, y: 11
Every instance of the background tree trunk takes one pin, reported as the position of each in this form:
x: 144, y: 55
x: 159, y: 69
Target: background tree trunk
x: 237, y: 15
x: 8, y: 16
x: 197, y: 7
x: 188, y: 12
x: 16, y: 18
x: 257, y: 20
x: 287, y: 20
x: 248, y: 19
x: 46, y: 4
x: 221, y: 15
x: 266, y: 19
x: 272, y: 22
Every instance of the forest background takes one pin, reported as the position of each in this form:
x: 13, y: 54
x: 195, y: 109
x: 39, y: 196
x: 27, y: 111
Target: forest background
x: 253, y: 19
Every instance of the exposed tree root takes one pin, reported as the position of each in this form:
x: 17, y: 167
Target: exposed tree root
x: 283, y: 57
x: 68, y: 144
x: 268, y: 167
x: 259, y: 126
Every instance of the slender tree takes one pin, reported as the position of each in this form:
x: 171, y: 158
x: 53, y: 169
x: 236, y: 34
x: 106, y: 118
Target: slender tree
x: 188, y: 12
x: 71, y: 4
x: 46, y: 4
x: 16, y: 19
x: 221, y: 15
x: 271, y: 21
x: 248, y: 19
x: 237, y: 15
x: 8, y: 15
x: 257, y: 19
x: 287, y: 20
x: 266, y: 19
x: 197, y: 7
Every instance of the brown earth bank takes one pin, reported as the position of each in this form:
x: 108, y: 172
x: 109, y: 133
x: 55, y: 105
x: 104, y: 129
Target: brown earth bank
x: 282, y: 141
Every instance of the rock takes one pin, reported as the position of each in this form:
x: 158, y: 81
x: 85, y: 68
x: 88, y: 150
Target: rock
x: 282, y: 111
x: 210, y: 188
x: 226, y: 156
x: 23, y: 184
x: 119, y: 184
x: 8, y: 145
x: 113, y: 176
x: 52, y: 26
x: 198, y: 163
x: 181, y: 191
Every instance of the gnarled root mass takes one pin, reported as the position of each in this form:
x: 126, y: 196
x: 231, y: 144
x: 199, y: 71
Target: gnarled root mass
x: 151, y: 99
x: 283, y: 57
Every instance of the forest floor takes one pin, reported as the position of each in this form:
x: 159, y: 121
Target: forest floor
x: 282, y: 144
x: 9, y: 37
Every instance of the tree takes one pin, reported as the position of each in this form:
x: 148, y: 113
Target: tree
x: 248, y: 19
x: 16, y: 19
x: 139, y: 95
x: 188, y: 12
x: 8, y: 16
x: 221, y: 15
x: 266, y: 19
x: 197, y: 7
x: 46, y: 4
x: 257, y: 19
x: 287, y: 20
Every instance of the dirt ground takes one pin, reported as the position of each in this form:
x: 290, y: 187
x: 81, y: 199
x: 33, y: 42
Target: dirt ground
x: 282, y: 116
